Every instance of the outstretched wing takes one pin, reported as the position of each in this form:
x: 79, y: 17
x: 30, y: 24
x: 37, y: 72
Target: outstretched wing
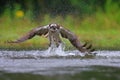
x: 36, y: 31
x: 74, y: 40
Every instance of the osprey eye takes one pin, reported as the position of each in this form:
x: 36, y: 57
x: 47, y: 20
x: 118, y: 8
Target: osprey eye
x: 50, y: 26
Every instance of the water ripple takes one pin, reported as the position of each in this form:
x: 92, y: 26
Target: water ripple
x: 42, y: 62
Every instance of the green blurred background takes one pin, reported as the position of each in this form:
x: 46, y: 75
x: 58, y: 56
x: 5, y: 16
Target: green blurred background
x: 93, y: 21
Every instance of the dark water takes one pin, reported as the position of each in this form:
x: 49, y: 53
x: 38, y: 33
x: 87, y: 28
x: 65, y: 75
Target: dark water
x: 60, y: 65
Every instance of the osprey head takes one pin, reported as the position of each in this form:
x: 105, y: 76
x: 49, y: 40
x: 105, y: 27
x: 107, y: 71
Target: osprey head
x: 54, y: 27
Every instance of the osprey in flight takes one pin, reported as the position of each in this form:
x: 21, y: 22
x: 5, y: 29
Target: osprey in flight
x: 53, y: 32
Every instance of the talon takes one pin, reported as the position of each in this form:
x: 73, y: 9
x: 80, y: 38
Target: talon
x: 92, y: 50
x: 84, y: 44
x: 89, y: 46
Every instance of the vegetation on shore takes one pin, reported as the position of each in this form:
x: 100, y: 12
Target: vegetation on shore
x: 101, y: 29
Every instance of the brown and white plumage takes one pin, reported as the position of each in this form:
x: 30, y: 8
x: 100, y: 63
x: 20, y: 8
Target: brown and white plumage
x: 36, y: 31
x: 53, y: 32
x: 74, y: 41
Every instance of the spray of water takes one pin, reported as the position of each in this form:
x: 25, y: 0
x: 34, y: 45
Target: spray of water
x: 59, y: 51
x: 52, y: 51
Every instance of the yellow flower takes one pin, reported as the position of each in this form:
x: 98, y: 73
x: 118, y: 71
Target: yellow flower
x: 19, y: 13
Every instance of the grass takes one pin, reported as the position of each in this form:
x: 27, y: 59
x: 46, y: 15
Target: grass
x: 101, y: 29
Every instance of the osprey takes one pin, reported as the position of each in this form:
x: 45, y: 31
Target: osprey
x: 53, y: 32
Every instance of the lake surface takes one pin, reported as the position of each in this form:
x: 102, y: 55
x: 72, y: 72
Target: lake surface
x: 59, y: 65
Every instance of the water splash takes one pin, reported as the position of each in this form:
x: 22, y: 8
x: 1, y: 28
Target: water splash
x: 50, y: 52
x: 59, y: 51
